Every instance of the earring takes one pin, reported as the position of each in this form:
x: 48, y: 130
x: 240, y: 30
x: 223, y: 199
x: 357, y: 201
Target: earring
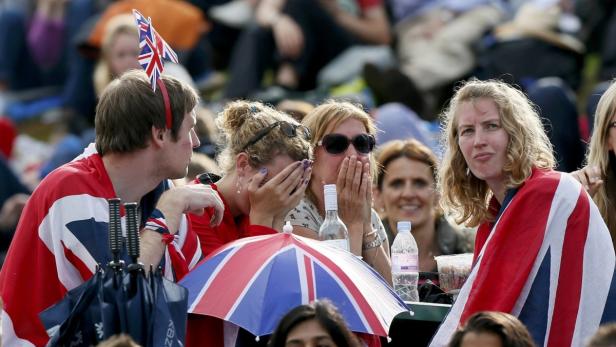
x: 238, y: 186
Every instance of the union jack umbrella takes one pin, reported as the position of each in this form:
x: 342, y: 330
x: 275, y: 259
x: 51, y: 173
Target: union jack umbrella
x: 253, y: 282
x: 153, y: 49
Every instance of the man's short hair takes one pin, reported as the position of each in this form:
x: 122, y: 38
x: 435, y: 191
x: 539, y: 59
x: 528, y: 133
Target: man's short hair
x: 128, y: 109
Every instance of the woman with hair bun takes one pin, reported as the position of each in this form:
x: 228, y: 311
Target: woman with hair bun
x: 266, y: 167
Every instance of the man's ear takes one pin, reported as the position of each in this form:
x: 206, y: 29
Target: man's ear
x: 158, y: 136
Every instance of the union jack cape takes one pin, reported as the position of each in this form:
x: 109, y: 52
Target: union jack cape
x: 548, y: 259
x: 61, y: 237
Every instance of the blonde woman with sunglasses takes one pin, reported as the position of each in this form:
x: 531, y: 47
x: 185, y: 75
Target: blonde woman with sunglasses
x: 343, y: 140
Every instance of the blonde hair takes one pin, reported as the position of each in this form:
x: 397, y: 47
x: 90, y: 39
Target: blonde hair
x: 330, y: 114
x: 599, y: 155
x: 241, y: 120
x: 118, y: 25
x: 462, y: 193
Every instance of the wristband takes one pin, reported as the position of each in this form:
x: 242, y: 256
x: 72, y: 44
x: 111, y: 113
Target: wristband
x: 156, y: 222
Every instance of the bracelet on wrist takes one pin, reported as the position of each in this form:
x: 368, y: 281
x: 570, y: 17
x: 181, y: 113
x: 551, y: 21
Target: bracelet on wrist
x: 376, y: 242
x: 157, y: 223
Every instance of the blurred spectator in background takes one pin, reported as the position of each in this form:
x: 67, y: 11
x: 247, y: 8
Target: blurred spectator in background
x: 435, y: 46
x: 297, y: 109
x: 13, y: 197
x: 181, y: 24
x: 299, y: 37
x: 406, y: 191
x: 604, y: 337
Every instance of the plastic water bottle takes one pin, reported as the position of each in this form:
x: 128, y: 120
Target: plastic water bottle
x: 333, y: 231
x: 405, y: 263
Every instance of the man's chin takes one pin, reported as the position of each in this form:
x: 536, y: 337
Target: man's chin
x: 179, y: 175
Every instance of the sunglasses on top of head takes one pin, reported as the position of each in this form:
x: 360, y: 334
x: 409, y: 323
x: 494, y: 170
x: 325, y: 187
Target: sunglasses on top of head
x: 288, y: 129
x: 338, y: 143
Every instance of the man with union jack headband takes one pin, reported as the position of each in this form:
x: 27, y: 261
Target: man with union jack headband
x: 542, y: 252
x: 144, y: 137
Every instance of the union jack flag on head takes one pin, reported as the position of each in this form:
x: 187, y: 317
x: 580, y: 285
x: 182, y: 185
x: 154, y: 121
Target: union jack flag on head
x: 153, y: 49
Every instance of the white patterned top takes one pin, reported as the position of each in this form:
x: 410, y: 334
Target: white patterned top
x: 306, y: 215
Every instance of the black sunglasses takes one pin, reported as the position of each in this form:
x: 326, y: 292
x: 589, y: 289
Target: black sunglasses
x: 289, y: 129
x: 338, y: 143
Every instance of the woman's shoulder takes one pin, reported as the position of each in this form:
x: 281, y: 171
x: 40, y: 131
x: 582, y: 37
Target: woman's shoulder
x: 453, y: 238
x: 306, y: 215
x: 547, y: 183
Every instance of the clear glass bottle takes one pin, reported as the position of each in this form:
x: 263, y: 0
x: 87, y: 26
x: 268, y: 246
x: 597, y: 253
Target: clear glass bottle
x: 405, y: 263
x: 333, y: 231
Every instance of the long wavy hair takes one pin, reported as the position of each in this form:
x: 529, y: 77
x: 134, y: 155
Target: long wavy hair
x: 463, y: 194
x: 601, y: 156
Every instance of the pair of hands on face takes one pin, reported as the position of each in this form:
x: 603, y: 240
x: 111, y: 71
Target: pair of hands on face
x: 271, y: 200
x: 354, y: 188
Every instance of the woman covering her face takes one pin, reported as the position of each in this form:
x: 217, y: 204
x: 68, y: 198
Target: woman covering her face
x: 541, y: 244
x: 343, y: 140
x: 266, y: 168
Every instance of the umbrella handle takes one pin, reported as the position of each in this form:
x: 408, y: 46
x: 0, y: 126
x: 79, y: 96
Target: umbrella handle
x: 115, y: 228
x: 132, y: 231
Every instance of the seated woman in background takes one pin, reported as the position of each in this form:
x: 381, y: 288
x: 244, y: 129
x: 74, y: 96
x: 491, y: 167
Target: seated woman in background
x: 120, y: 53
x: 406, y: 191
x: 492, y: 329
x: 599, y: 175
x: 343, y: 136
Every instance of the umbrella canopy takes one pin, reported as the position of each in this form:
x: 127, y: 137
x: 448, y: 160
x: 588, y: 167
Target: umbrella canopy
x: 253, y: 282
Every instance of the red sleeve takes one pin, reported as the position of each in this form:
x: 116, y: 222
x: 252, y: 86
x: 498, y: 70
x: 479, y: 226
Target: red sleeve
x: 210, y: 238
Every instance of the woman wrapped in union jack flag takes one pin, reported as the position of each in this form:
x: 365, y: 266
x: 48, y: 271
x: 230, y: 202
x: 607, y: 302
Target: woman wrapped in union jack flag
x: 542, y: 252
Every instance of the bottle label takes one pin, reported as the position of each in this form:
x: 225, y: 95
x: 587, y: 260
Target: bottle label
x: 339, y: 243
x: 405, y: 262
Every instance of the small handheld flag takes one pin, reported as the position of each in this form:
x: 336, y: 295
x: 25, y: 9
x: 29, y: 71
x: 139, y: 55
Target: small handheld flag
x: 153, y: 50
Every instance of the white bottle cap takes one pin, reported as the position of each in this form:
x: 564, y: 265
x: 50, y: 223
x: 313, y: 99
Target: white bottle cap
x: 330, y: 197
x: 404, y: 225
x: 287, y: 228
